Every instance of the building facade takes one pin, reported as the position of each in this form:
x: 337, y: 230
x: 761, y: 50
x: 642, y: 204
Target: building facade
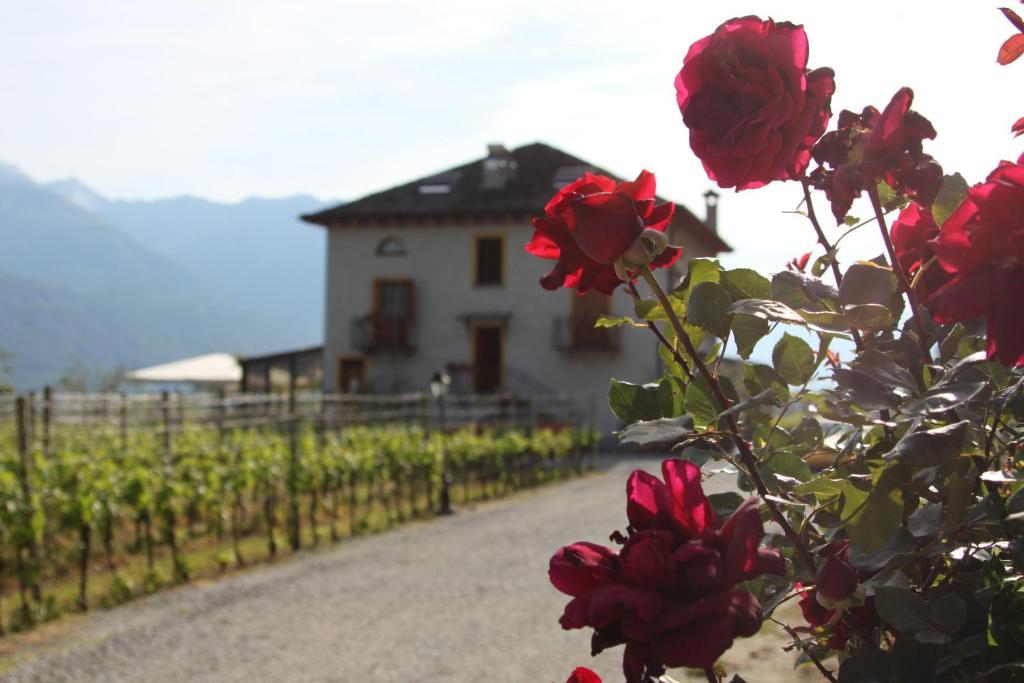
x: 432, y: 276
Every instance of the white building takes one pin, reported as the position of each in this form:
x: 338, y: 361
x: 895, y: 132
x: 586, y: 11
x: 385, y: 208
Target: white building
x: 432, y: 275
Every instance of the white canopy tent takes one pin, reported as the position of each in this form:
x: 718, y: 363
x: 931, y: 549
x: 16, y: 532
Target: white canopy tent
x: 208, y: 369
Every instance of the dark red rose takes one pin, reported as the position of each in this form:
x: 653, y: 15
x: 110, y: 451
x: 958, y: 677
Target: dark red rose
x: 981, y: 246
x: 869, y: 147
x: 835, y: 604
x: 581, y: 674
x: 752, y: 107
x: 836, y: 580
x: 670, y: 594
x: 599, y: 230
x: 913, y: 238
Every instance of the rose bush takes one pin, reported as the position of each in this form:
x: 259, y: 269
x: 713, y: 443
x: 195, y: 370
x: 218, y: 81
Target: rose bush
x: 670, y: 594
x: 600, y: 231
x: 892, y: 473
x: 751, y: 105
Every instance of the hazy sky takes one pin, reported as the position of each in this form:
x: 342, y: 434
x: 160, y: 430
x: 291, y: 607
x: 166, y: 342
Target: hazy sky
x: 337, y: 99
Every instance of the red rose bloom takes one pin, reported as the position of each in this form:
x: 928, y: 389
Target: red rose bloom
x: 981, y: 246
x: 581, y: 674
x: 670, y: 593
x: 835, y: 584
x: 913, y: 239
x: 752, y: 107
x: 870, y: 147
x: 592, y: 223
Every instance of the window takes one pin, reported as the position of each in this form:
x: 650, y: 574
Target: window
x: 393, y: 311
x: 391, y: 246
x: 489, y: 259
x: 351, y: 374
x: 586, y: 309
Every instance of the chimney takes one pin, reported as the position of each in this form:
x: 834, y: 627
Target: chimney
x: 499, y: 168
x: 711, y: 210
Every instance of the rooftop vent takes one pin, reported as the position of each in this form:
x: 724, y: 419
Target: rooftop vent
x: 711, y: 210
x: 499, y: 168
x: 435, y: 188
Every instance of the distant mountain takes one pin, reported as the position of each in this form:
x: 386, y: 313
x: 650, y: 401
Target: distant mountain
x: 256, y: 253
x: 49, y: 329
x: 80, y: 284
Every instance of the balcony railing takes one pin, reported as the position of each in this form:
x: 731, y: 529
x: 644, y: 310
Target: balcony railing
x: 374, y: 332
x: 577, y: 333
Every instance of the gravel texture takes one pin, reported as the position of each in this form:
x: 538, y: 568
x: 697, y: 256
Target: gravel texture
x: 462, y: 598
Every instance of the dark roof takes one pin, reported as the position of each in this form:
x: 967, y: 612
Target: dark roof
x: 539, y: 170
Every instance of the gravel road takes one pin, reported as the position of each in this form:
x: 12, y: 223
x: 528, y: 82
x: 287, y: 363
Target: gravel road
x: 464, y: 598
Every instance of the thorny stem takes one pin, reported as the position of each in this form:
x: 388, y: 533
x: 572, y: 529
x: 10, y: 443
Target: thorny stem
x: 747, y: 455
x: 807, y: 651
x: 653, y: 327
x: 829, y: 250
x: 711, y: 675
x: 922, y: 339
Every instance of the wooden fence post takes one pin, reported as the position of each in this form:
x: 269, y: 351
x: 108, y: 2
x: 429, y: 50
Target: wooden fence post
x: 292, y: 478
x: 123, y: 422
x: 31, y: 572
x: 47, y: 420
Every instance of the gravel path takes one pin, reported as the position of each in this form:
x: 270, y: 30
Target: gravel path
x: 464, y: 598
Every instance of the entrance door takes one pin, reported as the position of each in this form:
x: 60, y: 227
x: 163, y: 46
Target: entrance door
x: 488, y: 357
x: 351, y: 374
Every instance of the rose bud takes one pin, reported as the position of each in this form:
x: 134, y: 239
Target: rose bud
x: 836, y: 583
x: 582, y: 674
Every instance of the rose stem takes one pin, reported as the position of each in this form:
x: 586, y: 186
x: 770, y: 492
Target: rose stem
x: 807, y: 651
x: 653, y: 327
x: 900, y: 275
x: 858, y: 342
x: 749, y: 461
x: 711, y: 675
x: 823, y: 241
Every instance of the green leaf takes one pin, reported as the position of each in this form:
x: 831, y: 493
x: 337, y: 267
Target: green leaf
x: 954, y: 189
x: 609, y: 321
x: 766, y: 309
x: 881, y: 367
x: 873, y: 517
x: 764, y: 398
x: 949, y: 613
x: 793, y: 359
x: 702, y: 269
x: 930, y: 448
x: 867, y: 283
x: 664, y: 431
x: 869, y: 317
x: 699, y: 403
x: 670, y: 396
x: 786, y: 465
x: 724, y: 504
x: 821, y: 487
x: 707, y: 307
x: 904, y: 610
x: 798, y: 290
x: 757, y: 378
x: 632, y: 402
x: 825, y: 320
x: 745, y: 283
x: 650, y: 309
x: 747, y: 330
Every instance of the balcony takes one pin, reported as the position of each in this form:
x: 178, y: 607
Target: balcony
x: 374, y: 332
x: 577, y: 333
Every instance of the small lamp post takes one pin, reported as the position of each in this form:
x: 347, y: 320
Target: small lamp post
x: 439, y: 384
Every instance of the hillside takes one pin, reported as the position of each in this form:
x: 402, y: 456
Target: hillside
x: 256, y: 253
x: 81, y: 286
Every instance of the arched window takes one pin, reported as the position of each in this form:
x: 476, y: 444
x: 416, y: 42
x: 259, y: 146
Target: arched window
x: 391, y: 246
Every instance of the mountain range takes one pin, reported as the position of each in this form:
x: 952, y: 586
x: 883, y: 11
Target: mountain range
x: 98, y: 283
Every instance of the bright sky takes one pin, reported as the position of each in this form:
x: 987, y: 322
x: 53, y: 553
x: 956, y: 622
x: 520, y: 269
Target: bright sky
x: 229, y: 99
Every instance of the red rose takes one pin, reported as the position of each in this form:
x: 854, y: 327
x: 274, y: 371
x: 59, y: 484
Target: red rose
x: 981, y: 246
x: 752, y: 107
x: 833, y: 603
x: 601, y: 231
x: 670, y: 594
x: 913, y: 239
x: 582, y: 674
x: 870, y: 147
x: 836, y: 580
